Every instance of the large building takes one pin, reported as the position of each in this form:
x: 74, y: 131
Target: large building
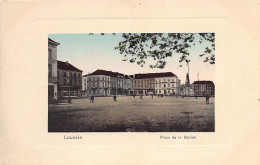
x: 144, y: 83
x: 69, y: 80
x: 202, y: 88
x: 106, y: 83
x: 165, y: 83
x: 52, y: 70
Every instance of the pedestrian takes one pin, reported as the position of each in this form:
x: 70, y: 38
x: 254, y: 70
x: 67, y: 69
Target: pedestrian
x: 151, y: 96
x: 91, y: 99
x: 114, y: 97
x: 207, y: 99
x: 134, y: 96
x: 196, y: 96
x: 141, y: 97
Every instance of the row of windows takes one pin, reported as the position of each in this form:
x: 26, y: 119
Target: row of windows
x: 104, y: 85
x: 98, y: 78
x: 69, y: 82
x: 159, y: 81
x: 157, y: 85
x: 64, y: 74
x: 144, y: 81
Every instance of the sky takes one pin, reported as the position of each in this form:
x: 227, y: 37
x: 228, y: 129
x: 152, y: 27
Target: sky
x: 91, y: 52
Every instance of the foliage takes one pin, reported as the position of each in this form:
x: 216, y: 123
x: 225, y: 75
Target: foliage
x: 138, y: 47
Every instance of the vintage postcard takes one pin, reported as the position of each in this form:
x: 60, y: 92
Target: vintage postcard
x: 138, y: 82
x: 131, y: 82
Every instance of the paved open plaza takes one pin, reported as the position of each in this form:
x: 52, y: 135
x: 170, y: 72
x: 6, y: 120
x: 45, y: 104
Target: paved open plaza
x: 128, y: 114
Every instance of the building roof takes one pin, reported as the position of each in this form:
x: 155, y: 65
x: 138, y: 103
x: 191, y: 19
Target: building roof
x: 136, y: 76
x: 154, y: 75
x: 203, y: 82
x: 106, y: 73
x: 51, y: 42
x: 67, y: 66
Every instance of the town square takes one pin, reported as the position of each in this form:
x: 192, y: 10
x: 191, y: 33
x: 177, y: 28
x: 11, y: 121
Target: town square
x: 128, y: 114
x: 95, y: 90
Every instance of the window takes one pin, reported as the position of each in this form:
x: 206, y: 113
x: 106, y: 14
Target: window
x: 49, y: 53
x: 64, y: 74
x: 50, y: 70
x: 74, y: 74
x: 102, y: 78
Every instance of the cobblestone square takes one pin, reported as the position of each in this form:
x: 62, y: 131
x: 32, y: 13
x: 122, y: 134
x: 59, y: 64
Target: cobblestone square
x: 128, y: 114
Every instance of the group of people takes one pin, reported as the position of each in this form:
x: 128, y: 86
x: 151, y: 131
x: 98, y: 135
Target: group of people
x: 91, y: 98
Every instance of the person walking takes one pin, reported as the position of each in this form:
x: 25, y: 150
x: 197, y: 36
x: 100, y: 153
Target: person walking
x: 134, y: 96
x: 207, y: 99
x: 151, y: 96
x: 114, y: 97
x: 91, y: 99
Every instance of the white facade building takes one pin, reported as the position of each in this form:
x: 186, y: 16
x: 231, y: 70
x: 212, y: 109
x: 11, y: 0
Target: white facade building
x: 98, y: 85
x: 107, y: 83
x: 167, y: 85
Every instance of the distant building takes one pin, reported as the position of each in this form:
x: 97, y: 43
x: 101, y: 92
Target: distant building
x: 106, y: 83
x: 203, y: 87
x: 144, y: 83
x: 69, y: 80
x: 52, y: 70
x: 165, y: 83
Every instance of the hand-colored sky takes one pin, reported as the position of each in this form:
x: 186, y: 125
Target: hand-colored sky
x: 91, y: 52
